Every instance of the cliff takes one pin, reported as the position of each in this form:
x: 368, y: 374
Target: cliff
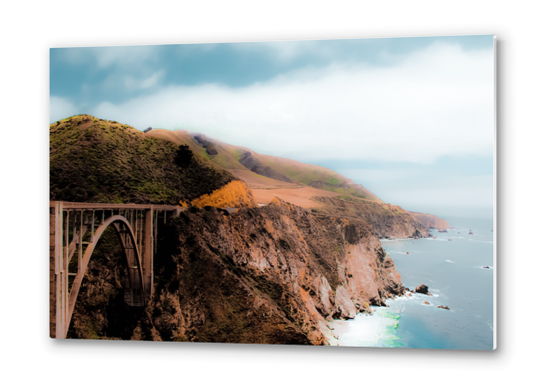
x: 260, y: 275
x: 430, y: 221
x: 273, y: 274
x: 387, y: 220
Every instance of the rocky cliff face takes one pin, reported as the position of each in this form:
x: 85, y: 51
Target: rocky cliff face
x: 430, y: 221
x: 387, y: 220
x: 260, y: 275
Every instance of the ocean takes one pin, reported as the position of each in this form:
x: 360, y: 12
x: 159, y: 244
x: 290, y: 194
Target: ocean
x: 455, y: 274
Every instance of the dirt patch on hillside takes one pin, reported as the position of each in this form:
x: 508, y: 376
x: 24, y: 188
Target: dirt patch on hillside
x: 297, y: 196
x: 258, y: 181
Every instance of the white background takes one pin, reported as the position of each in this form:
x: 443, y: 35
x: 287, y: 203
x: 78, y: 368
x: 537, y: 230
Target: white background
x: 28, y: 30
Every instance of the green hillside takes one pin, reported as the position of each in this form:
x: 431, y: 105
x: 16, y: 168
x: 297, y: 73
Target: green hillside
x: 94, y: 160
x: 235, y: 157
x: 227, y: 155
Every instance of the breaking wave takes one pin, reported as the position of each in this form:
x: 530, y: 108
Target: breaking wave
x: 376, y: 330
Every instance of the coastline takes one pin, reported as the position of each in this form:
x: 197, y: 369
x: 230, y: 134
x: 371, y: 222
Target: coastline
x: 459, y: 273
x: 337, y: 329
x: 369, y: 330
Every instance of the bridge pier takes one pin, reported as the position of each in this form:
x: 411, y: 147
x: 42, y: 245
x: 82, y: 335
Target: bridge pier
x: 136, y: 226
x: 148, y: 254
x: 54, y: 275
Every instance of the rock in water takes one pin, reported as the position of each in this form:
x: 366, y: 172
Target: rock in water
x: 422, y: 288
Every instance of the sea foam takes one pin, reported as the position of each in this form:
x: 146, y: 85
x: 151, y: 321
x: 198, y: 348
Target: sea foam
x: 376, y: 330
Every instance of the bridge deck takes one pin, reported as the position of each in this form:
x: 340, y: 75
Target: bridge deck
x: 100, y: 206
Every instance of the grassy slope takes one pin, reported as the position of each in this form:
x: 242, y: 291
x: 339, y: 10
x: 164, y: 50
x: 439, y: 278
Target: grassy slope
x: 353, y: 205
x: 308, y: 173
x: 93, y: 160
x: 256, y: 181
x: 226, y: 158
x: 304, y: 174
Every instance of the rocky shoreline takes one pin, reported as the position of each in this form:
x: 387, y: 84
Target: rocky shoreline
x: 276, y: 274
x: 338, y: 328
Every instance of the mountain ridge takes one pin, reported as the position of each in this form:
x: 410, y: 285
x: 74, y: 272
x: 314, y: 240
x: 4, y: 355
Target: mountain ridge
x: 298, y: 183
x: 279, y: 168
x: 96, y: 160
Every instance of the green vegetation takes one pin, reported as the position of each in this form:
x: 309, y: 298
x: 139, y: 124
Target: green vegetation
x: 333, y: 180
x: 226, y: 161
x: 230, y: 156
x: 346, y: 197
x: 103, y: 161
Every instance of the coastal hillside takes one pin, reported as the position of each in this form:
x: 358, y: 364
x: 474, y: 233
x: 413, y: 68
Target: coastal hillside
x: 430, y: 221
x: 387, y: 220
x: 305, y: 185
x: 263, y: 171
x: 95, y: 160
x: 273, y: 275
x: 276, y: 273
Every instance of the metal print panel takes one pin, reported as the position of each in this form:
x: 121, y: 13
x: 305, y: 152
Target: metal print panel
x: 334, y: 192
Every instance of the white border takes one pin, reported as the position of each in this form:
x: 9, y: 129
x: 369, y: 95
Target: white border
x: 495, y: 175
x: 31, y: 28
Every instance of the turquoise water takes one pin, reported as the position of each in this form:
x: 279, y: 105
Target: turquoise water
x: 453, y: 271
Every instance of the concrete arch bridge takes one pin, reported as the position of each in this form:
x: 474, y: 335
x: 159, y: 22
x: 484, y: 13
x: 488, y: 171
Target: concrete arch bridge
x: 75, y: 229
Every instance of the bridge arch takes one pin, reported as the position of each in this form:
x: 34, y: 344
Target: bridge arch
x: 136, y: 225
x: 132, y: 254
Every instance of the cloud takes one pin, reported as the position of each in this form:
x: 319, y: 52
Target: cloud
x: 438, y: 101
x: 382, y: 175
x: 458, y: 191
x: 149, y: 82
x: 420, y: 187
x: 125, y: 56
x: 60, y: 108
x: 286, y: 51
x: 106, y: 57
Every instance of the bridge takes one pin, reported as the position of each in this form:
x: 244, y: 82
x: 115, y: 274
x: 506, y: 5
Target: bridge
x: 75, y: 229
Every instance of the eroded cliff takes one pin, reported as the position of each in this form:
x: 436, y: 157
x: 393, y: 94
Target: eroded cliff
x: 387, y: 220
x: 260, y: 275
x: 430, y: 221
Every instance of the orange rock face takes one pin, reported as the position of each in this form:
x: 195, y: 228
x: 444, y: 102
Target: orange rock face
x: 235, y: 194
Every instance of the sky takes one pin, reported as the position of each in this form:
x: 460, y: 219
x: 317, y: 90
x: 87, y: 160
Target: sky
x: 411, y: 119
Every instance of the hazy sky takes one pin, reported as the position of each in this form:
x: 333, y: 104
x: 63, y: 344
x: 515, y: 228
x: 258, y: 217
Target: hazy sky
x: 409, y: 118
